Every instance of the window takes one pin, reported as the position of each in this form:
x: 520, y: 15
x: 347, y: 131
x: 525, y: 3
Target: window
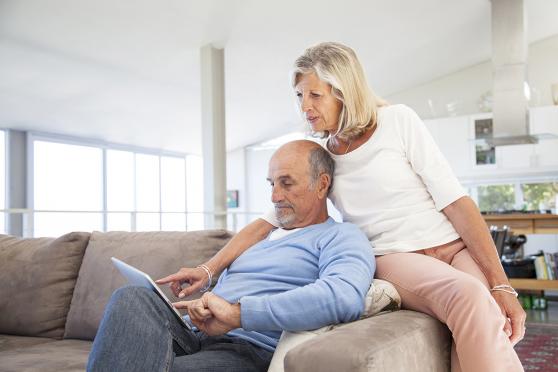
x: 151, y: 185
x: 120, y: 190
x: 194, y: 192
x: 173, y: 194
x: 540, y: 196
x: 147, y: 193
x: 68, y: 188
x: 521, y: 195
x: 86, y: 187
x: 496, y: 197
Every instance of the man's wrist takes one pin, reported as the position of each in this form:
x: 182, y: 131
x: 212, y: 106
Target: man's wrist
x: 235, y: 317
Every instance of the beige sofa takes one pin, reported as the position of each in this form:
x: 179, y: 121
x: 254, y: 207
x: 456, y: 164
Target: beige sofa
x: 53, y: 293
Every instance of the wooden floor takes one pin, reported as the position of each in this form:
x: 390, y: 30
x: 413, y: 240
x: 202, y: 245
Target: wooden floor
x: 550, y: 315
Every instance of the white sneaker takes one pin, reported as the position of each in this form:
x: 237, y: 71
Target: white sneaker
x: 382, y: 296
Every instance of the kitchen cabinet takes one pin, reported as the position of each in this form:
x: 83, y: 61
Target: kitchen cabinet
x: 543, y: 123
x: 516, y: 156
x: 525, y: 223
x: 547, y: 153
x: 534, y: 284
x: 455, y: 136
x: 544, y: 120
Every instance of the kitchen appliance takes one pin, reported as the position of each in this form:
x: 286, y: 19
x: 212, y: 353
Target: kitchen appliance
x: 515, y: 265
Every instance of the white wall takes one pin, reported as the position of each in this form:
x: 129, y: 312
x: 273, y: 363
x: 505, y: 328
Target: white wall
x: 460, y: 93
x: 537, y: 242
x: 247, y: 173
x: 259, y: 194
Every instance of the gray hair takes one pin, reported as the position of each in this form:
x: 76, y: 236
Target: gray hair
x: 321, y: 162
x: 338, y: 65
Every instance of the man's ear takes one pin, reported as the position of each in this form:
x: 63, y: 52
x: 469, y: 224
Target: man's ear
x: 323, y: 185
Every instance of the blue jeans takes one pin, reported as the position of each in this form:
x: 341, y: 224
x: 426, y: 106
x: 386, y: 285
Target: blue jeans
x: 139, y: 333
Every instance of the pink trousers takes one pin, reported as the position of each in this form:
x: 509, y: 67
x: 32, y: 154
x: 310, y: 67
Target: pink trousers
x: 446, y: 283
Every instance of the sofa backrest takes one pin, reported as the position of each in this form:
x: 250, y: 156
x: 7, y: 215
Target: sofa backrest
x: 156, y: 253
x: 37, y: 279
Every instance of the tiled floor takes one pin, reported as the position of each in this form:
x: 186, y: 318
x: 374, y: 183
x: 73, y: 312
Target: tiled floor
x: 550, y: 315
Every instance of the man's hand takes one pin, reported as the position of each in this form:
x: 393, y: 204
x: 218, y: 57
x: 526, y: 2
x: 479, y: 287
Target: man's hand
x: 514, y: 314
x: 196, y: 278
x: 212, y: 314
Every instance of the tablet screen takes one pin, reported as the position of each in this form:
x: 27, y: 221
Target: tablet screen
x: 139, y: 278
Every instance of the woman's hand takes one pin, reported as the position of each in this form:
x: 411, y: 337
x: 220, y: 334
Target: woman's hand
x: 514, y: 314
x: 197, y: 279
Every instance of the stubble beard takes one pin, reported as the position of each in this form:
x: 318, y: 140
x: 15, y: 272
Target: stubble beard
x: 285, y: 219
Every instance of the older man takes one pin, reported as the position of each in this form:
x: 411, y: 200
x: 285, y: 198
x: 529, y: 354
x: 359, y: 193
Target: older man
x: 309, y: 273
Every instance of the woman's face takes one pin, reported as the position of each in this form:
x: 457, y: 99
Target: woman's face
x: 319, y: 106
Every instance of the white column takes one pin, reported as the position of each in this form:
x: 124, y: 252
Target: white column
x: 16, y: 172
x: 213, y: 135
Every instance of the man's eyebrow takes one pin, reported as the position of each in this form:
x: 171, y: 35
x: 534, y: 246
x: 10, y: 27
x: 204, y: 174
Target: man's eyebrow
x: 280, y: 178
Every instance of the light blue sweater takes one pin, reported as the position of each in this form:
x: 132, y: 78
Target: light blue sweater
x: 313, y: 277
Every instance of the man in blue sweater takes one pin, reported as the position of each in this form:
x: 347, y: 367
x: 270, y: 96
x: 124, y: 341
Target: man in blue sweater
x: 310, y: 273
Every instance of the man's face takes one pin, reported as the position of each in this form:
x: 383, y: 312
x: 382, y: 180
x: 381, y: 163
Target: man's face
x: 296, y: 200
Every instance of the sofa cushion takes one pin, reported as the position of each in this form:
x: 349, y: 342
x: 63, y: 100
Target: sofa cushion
x: 64, y: 355
x: 156, y: 253
x: 38, y: 278
x: 9, y: 342
x: 381, y: 297
x: 394, y: 341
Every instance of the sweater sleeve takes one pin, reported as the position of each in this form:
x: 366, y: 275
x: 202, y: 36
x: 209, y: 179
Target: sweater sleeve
x: 346, y: 267
x: 427, y: 160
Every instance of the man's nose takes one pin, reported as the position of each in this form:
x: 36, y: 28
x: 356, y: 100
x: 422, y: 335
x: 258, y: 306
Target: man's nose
x: 276, y: 195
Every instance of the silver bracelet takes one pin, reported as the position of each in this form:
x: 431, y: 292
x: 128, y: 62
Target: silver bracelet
x: 504, y: 288
x: 209, y: 275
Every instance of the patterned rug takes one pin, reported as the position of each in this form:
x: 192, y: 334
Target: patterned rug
x: 538, y: 351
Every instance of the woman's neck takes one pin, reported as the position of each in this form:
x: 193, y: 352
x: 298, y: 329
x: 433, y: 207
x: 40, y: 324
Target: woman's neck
x: 340, y: 147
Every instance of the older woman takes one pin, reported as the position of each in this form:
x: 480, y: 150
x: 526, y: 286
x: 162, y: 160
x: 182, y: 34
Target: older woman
x: 393, y: 182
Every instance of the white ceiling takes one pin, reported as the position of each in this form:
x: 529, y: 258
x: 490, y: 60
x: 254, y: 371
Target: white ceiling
x: 128, y: 71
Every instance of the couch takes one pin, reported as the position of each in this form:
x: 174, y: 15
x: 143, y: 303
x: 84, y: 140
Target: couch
x: 53, y: 293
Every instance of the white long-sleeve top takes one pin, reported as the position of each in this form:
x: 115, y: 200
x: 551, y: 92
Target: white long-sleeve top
x: 394, y: 186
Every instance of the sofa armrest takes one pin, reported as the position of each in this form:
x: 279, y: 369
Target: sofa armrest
x: 397, y: 341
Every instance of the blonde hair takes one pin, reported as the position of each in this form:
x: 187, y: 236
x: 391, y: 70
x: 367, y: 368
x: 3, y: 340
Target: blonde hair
x: 338, y: 65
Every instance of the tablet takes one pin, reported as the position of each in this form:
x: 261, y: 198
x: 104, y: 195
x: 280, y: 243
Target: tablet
x: 139, y: 278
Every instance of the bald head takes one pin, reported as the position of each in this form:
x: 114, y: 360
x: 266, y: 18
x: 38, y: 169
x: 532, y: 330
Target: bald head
x: 300, y: 147
x: 301, y: 174
x: 318, y: 159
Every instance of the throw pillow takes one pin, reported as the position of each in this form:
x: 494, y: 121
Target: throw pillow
x: 155, y: 253
x: 38, y: 278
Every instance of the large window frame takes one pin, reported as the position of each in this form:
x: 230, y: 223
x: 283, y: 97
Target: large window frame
x: 104, y: 147
x: 517, y: 182
x: 5, y: 225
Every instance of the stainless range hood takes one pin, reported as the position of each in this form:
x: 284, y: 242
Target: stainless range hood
x: 509, y: 61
